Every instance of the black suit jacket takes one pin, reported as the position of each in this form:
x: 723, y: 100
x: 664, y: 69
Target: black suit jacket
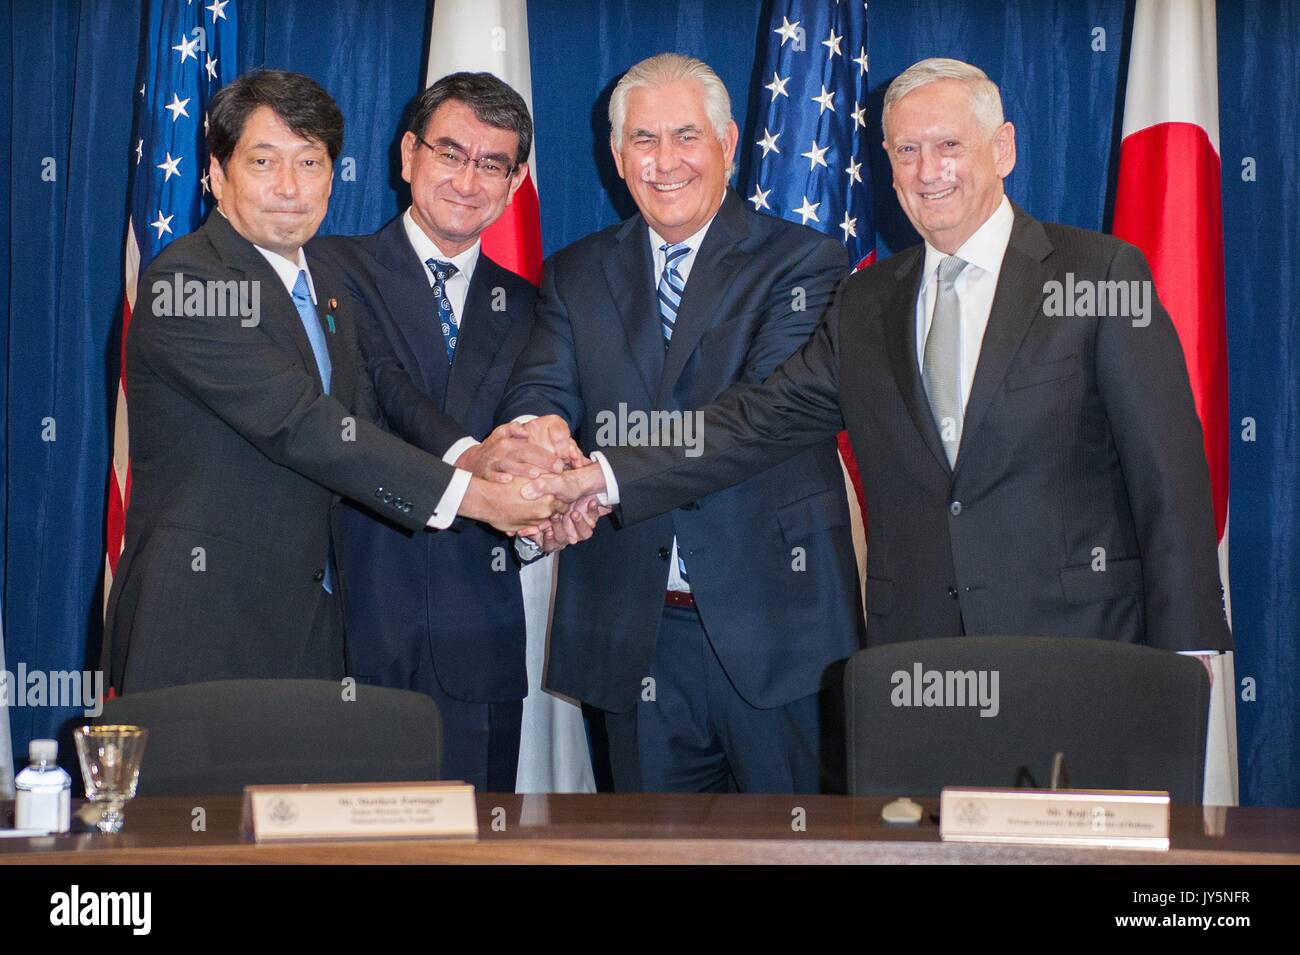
x: 237, y: 463
x: 771, y: 560
x: 457, y: 590
x: 1080, y: 442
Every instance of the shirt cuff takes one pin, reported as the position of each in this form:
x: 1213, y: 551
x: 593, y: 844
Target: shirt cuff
x: 460, y: 447
x: 450, y: 501
x: 524, y: 418
x: 610, y: 497
x: 527, y: 549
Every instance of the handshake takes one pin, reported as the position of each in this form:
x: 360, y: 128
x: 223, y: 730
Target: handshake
x: 530, y: 479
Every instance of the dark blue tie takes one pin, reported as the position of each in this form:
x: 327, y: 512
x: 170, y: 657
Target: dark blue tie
x: 316, y: 335
x: 446, y: 315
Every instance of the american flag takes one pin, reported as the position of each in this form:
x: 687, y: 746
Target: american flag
x: 810, y: 160
x: 189, y: 52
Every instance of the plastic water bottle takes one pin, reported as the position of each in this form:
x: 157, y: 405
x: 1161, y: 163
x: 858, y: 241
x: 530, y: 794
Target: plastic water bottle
x: 43, y: 790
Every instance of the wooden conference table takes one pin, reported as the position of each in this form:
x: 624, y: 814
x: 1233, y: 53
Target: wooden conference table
x: 646, y: 828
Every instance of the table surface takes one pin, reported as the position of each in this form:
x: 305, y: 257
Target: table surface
x: 651, y: 828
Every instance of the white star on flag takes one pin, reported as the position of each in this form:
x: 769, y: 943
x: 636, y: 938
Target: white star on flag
x: 833, y: 44
x: 768, y: 142
x: 211, y: 67
x: 177, y: 106
x: 203, y: 183
x: 808, y: 211
x: 186, y: 48
x: 787, y: 29
x: 162, y: 223
x: 861, y: 60
x: 777, y: 86
x: 854, y: 171
x: 815, y: 156
x: 859, y: 115
x: 170, y: 166
x: 849, y: 225
x: 827, y: 101
x: 759, y: 198
x: 139, y: 151
x: 218, y: 9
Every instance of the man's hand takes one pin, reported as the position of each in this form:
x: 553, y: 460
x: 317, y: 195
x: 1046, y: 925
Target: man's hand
x: 510, y: 452
x: 573, y: 485
x: 575, y: 525
x: 505, y: 508
x: 552, y: 433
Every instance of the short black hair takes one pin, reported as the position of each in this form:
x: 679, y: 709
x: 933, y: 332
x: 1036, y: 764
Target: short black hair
x: 298, y: 100
x: 493, y: 101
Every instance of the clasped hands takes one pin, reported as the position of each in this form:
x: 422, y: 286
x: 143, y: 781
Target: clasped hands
x: 530, y: 479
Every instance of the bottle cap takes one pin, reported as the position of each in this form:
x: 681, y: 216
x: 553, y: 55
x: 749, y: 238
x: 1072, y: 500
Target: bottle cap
x: 43, y: 750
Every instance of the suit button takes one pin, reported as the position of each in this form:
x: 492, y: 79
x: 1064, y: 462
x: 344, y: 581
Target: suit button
x: 952, y: 592
x: 690, y: 506
x: 318, y: 576
x: 406, y: 508
x: 664, y: 553
x: 379, y: 492
x: 954, y: 508
x: 388, y: 497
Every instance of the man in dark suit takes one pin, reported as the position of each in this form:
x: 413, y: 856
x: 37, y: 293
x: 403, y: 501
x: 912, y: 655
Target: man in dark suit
x: 248, y: 424
x: 1028, y: 468
x: 441, y: 327
x: 704, y: 635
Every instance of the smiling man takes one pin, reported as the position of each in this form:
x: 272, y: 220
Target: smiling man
x: 691, y: 632
x: 247, y: 429
x: 442, y: 326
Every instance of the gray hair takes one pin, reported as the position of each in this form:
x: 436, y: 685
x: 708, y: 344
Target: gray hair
x: 669, y: 68
x: 985, y: 100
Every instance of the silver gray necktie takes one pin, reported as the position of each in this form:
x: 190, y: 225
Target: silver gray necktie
x: 941, y: 366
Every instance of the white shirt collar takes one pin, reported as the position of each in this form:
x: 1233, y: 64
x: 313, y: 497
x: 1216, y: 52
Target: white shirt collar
x: 984, y: 249
x: 694, y: 241
x: 287, y: 269
x: 425, y: 248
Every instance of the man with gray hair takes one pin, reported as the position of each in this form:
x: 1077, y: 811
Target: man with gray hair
x: 704, y: 635
x: 1032, y: 459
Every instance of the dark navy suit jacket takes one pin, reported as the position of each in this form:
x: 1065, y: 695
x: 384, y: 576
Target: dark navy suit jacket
x: 459, y: 588
x: 771, y: 559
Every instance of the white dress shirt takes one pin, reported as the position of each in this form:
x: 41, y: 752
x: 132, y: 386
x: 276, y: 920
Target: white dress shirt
x: 975, y: 286
x: 456, y: 290
x: 445, y: 510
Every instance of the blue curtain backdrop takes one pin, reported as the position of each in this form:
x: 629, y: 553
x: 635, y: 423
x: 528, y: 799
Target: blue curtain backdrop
x: 68, y: 66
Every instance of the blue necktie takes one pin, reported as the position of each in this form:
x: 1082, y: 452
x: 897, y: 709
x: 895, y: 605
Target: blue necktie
x: 446, y: 316
x: 316, y: 335
x: 671, y: 287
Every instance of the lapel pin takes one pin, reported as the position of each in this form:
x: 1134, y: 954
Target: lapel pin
x: 329, y: 317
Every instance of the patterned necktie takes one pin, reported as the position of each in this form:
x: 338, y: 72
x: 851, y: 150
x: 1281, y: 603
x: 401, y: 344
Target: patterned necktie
x: 446, y: 316
x: 671, y: 286
x: 941, y: 368
x: 316, y: 335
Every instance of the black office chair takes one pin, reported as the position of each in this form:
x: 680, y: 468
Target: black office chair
x: 1125, y: 716
x: 214, y: 738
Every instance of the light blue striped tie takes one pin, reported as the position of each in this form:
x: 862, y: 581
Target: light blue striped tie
x: 316, y: 336
x: 671, y: 287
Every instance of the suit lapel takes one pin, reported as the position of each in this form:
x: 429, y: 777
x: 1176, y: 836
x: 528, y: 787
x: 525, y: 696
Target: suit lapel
x: 1015, y: 304
x: 628, y: 271
x: 240, y: 255
x: 408, y: 298
x: 900, y: 334
x: 483, y: 331
x: 716, y: 264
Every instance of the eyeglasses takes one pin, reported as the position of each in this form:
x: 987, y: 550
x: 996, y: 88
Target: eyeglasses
x: 454, y: 159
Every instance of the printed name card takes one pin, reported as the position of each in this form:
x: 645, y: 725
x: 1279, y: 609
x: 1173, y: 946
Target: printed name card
x: 413, y: 810
x: 1067, y: 817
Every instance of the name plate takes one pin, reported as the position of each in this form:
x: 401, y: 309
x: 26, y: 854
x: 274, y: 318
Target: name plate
x: 360, y: 811
x: 1070, y: 817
